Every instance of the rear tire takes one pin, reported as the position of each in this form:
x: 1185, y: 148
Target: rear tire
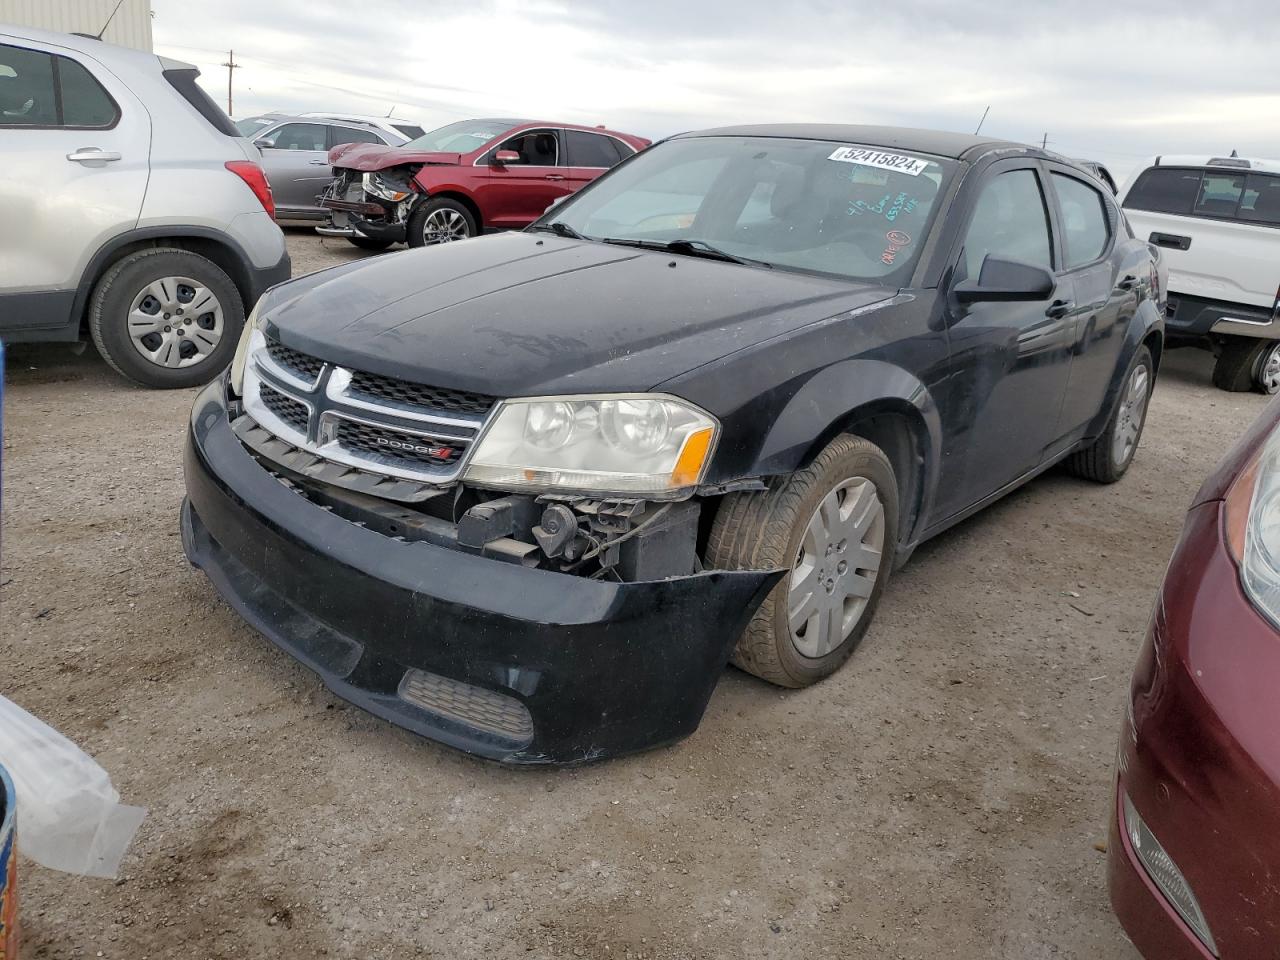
x: 775, y: 528
x: 368, y: 243
x: 197, y: 311
x: 439, y: 221
x: 1107, y: 459
x: 1245, y: 365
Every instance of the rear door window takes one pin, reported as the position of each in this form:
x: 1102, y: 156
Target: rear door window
x: 1085, y: 223
x: 1165, y: 190
x: 339, y: 135
x: 590, y: 149
x: 41, y: 90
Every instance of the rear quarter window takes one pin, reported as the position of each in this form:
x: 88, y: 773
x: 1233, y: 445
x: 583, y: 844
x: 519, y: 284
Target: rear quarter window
x: 184, y: 81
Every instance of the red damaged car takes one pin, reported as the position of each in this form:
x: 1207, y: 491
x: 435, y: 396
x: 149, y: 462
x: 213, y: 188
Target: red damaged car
x: 1194, y: 857
x: 463, y: 179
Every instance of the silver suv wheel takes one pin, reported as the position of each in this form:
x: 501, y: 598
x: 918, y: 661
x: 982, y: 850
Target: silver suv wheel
x: 175, y: 322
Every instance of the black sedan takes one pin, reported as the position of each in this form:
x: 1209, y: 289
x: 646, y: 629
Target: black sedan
x: 527, y: 494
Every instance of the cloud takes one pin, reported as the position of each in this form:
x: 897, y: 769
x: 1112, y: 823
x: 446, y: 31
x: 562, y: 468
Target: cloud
x: 1110, y: 81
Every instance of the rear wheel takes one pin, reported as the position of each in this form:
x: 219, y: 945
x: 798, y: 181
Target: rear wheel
x: 1109, y: 456
x: 439, y: 221
x: 166, y: 318
x: 1246, y: 364
x: 833, y: 525
x: 368, y: 243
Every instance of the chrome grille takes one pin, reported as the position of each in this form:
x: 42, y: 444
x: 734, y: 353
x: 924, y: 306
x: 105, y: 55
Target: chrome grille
x: 292, y: 412
x: 405, y: 431
x: 374, y: 387
x: 299, y: 364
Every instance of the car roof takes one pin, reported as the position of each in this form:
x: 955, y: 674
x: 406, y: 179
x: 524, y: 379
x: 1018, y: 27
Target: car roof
x: 940, y: 143
x: 1219, y: 161
x: 102, y: 51
x: 363, y: 117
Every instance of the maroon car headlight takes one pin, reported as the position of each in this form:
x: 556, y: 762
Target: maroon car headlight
x: 1253, y: 528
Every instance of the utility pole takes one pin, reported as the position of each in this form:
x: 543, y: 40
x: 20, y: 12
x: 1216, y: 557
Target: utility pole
x: 231, y: 65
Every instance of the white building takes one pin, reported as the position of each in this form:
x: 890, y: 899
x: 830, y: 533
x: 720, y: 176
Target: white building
x: 130, y: 27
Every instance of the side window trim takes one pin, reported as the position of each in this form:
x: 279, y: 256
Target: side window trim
x: 1061, y: 244
x: 58, y: 112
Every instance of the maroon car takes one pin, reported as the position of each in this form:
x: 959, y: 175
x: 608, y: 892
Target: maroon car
x: 1195, y: 837
x: 462, y: 179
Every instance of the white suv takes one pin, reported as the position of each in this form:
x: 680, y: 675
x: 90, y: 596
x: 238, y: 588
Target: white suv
x: 1218, y: 222
x: 134, y: 212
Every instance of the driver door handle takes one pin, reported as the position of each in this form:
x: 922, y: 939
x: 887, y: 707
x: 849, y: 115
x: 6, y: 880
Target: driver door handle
x: 1128, y: 283
x: 85, y: 154
x: 1058, y: 309
x: 318, y: 163
x: 554, y: 176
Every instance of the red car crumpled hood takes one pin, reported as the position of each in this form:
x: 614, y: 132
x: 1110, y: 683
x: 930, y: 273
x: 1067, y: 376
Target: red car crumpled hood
x: 374, y: 156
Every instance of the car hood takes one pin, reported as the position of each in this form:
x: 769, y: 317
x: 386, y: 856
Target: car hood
x: 529, y: 314
x: 374, y: 156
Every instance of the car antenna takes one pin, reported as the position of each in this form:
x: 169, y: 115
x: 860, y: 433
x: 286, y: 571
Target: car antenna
x: 109, y: 19
x: 983, y: 119
x: 392, y: 110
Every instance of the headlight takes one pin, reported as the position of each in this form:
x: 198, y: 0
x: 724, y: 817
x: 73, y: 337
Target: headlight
x: 242, y: 353
x: 635, y: 444
x: 1253, y: 528
x: 381, y: 185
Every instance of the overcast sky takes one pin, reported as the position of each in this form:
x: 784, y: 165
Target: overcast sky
x: 1106, y: 80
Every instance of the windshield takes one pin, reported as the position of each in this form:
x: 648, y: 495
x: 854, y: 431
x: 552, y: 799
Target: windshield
x: 815, y: 205
x: 461, y: 137
x: 251, y: 125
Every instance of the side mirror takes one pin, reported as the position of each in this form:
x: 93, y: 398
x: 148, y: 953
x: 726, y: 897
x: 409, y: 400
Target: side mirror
x: 1006, y: 281
x: 265, y: 143
x: 501, y: 157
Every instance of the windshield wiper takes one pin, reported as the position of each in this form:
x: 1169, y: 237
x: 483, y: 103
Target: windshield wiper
x: 560, y: 229
x: 691, y: 248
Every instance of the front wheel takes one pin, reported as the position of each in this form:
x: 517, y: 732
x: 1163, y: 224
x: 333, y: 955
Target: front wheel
x: 1246, y: 364
x: 833, y: 525
x: 166, y: 318
x: 439, y: 221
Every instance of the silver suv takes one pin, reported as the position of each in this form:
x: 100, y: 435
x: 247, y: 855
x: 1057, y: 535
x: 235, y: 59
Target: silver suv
x: 134, y: 211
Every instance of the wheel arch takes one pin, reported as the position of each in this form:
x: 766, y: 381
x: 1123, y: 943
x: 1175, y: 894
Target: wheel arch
x: 1146, y: 329
x: 879, y: 402
x: 465, y: 199
x: 218, y: 248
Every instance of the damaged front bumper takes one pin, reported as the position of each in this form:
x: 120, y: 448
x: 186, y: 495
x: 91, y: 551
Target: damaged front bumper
x: 354, y: 213
x: 513, y: 664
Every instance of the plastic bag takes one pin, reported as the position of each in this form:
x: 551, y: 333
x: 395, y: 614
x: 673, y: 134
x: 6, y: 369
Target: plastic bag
x: 70, y: 816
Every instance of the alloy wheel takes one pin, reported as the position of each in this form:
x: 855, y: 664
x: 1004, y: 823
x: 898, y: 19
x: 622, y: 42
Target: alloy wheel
x: 175, y: 322
x: 836, y: 567
x: 1133, y: 409
x: 1269, y: 369
x: 444, y: 226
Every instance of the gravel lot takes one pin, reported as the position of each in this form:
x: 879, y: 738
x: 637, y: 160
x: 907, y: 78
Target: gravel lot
x: 942, y: 796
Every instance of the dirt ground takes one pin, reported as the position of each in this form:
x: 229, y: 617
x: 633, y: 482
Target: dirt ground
x: 940, y: 797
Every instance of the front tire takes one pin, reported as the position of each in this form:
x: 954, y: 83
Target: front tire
x: 166, y: 318
x: 1246, y: 364
x: 439, y: 221
x: 834, y: 526
x: 1107, y: 459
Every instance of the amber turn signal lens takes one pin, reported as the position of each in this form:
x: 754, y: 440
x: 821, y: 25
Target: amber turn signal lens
x: 688, y: 469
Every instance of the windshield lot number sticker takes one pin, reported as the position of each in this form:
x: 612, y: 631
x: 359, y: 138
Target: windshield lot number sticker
x: 896, y: 162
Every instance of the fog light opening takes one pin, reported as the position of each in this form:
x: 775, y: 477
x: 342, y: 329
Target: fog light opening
x: 1164, y: 873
